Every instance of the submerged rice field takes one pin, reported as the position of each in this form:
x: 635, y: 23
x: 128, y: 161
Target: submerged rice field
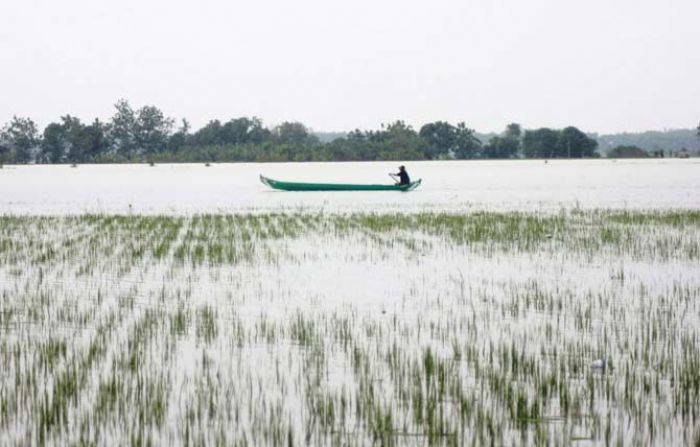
x: 579, y: 327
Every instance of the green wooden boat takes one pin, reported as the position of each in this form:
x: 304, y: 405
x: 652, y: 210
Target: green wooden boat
x: 295, y: 186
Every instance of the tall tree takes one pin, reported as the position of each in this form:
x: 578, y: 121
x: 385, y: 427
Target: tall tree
x: 71, y: 140
x: 151, y: 130
x: 501, y: 147
x: 209, y: 135
x: 540, y: 143
x: 513, y: 131
x: 439, y: 139
x: 442, y: 139
x: 294, y: 133
x: 77, y: 151
x: 20, y: 138
x: 243, y: 131
x: 573, y: 143
x: 144, y: 131
x: 291, y: 138
x: 400, y: 142
x: 355, y: 146
x: 467, y: 145
x: 505, y: 145
x: 54, y: 144
x: 181, y: 137
x: 121, y: 129
x: 94, y: 140
x: 4, y: 149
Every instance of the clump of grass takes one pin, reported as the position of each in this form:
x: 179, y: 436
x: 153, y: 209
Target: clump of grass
x: 207, y: 328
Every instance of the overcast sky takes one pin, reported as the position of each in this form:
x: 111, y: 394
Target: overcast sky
x: 602, y: 65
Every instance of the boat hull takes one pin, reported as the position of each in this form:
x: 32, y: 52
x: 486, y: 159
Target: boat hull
x: 296, y: 186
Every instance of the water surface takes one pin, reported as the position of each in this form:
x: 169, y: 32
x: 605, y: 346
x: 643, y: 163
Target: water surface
x: 447, y: 186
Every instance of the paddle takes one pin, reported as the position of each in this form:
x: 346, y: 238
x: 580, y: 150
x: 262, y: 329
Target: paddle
x: 393, y: 177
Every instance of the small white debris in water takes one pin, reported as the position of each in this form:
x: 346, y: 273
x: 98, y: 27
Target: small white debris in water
x: 598, y: 364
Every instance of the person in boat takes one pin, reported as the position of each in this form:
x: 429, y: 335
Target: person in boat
x: 404, y: 179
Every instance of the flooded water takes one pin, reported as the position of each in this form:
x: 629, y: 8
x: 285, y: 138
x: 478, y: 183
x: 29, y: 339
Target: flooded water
x: 577, y: 328
x: 454, y: 186
x: 357, y: 326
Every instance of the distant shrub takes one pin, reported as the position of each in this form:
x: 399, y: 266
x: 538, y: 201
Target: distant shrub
x: 627, y: 152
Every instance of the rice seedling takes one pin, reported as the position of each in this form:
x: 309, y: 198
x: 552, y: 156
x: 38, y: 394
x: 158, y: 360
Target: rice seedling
x: 392, y: 329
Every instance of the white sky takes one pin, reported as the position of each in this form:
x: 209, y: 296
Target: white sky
x: 602, y: 65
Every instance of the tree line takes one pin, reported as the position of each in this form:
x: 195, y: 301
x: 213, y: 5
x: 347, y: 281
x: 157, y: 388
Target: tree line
x: 652, y: 141
x: 146, y: 134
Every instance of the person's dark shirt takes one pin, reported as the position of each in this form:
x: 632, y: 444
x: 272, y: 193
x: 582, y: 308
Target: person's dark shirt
x: 404, y: 178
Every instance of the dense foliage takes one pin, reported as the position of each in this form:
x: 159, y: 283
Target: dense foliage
x: 627, y: 152
x: 146, y: 134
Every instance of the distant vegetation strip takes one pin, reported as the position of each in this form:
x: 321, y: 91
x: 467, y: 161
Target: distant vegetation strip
x: 146, y: 134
